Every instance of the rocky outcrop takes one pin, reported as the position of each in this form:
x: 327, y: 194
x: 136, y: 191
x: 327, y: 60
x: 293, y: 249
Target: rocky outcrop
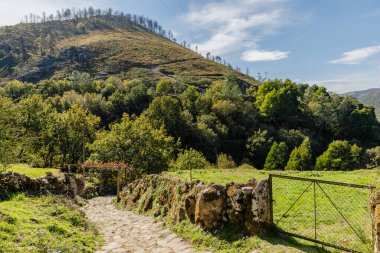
x: 15, y: 182
x: 210, y: 206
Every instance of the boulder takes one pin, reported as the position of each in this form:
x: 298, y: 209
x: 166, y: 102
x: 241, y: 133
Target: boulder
x: 252, y: 183
x: 257, y: 214
x: 190, y: 207
x: 209, y: 207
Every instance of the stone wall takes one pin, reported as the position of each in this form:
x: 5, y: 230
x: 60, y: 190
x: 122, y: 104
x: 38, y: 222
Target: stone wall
x: 376, y: 221
x: 15, y: 182
x: 210, y: 206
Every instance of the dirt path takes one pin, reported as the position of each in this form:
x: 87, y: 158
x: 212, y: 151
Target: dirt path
x: 125, y: 231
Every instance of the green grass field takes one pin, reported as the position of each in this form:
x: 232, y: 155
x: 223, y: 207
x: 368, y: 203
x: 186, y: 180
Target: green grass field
x: 44, y: 224
x: 230, y: 240
x: 365, y: 177
x: 32, y: 172
x: 343, y: 213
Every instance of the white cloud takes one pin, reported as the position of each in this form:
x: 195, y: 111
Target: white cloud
x: 357, y: 56
x: 236, y: 24
x: 261, y: 55
x: 354, y: 82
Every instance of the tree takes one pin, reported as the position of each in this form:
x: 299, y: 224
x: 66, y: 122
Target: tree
x: 75, y: 129
x: 82, y: 82
x: 16, y: 89
x: 258, y: 146
x: 190, y: 160
x: 37, y: 121
x: 227, y: 102
x: 356, y: 121
x: 163, y: 87
x: 9, y: 131
x: 137, y: 97
x: 277, y: 157
x: 225, y: 161
x: 136, y: 143
x: 81, y: 27
x: 301, y: 157
x: 167, y: 111
x: 278, y: 101
x: 188, y: 99
x: 322, y: 108
x: 207, y: 133
x: 340, y: 155
x: 91, y: 11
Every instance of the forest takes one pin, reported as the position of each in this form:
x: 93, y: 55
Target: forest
x: 278, y: 125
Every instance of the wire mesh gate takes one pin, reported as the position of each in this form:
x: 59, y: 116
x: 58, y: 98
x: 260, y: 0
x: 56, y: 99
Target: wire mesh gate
x: 329, y: 213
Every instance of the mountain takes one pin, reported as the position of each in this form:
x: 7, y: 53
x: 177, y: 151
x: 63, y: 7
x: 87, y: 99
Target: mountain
x: 102, y: 47
x: 368, y: 97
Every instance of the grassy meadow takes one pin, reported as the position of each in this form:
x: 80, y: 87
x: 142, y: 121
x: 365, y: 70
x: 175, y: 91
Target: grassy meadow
x: 242, y: 175
x: 32, y: 172
x: 44, y: 224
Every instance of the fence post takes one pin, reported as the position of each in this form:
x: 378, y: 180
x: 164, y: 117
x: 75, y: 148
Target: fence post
x: 315, y: 214
x: 376, y: 221
x: 270, y: 192
x: 118, y: 185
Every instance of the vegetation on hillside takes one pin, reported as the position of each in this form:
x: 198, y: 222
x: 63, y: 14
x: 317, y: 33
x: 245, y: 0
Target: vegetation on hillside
x: 58, y: 122
x: 44, y: 224
x: 368, y: 97
x: 103, y: 43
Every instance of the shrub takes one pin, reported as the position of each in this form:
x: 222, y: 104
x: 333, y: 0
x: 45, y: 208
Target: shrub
x: 277, y: 157
x: 81, y: 27
x: 372, y: 158
x: 225, y: 162
x: 163, y: 87
x: 190, y: 159
x: 340, y: 155
x: 246, y: 166
x: 301, y: 157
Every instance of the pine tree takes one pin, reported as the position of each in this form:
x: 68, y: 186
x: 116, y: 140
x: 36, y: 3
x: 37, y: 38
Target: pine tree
x: 301, y: 157
x: 277, y: 157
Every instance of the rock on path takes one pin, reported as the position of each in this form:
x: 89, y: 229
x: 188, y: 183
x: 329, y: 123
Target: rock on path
x: 125, y: 231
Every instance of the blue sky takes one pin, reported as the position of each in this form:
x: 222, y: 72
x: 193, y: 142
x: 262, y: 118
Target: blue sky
x: 335, y: 43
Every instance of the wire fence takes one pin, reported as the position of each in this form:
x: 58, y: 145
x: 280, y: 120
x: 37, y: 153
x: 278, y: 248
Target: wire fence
x: 334, y: 214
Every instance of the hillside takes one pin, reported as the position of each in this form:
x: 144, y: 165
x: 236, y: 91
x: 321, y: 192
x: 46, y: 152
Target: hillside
x: 101, y: 47
x: 86, y: 79
x: 368, y: 97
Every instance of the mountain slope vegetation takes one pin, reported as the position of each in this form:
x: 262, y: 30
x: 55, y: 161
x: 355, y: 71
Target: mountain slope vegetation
x: 101, y: 46
x: 368, y: 97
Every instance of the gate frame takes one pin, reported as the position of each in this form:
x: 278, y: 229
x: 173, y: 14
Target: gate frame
x: 270, y: 181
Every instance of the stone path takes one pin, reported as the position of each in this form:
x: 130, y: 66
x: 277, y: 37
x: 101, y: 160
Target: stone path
x: 125, y: 231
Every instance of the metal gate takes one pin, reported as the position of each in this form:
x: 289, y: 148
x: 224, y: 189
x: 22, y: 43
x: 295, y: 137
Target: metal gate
x: 329, y: 213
